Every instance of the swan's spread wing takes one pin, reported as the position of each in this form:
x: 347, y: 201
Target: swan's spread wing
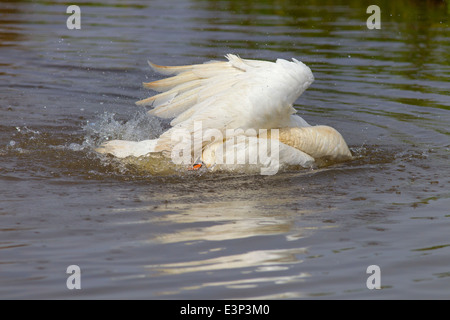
x: 233, y: 94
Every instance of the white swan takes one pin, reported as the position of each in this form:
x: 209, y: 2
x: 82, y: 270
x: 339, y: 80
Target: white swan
x: 228, y: 114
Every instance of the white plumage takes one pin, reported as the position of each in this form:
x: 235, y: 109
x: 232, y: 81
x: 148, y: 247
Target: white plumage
x: 234, y: 98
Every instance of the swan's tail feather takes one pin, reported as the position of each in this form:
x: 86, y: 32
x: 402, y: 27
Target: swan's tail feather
x: 123, y: 149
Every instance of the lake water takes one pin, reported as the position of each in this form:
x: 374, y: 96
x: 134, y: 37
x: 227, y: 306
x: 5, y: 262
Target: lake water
x: 297, y: 234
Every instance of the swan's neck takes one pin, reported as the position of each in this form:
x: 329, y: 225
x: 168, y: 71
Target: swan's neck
x: 317, y: 141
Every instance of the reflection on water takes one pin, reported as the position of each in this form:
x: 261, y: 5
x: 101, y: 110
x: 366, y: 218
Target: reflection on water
x: 201, y: 217
x: 264, y: 262
x: 300, y: 233
x: 269, y: 260
x: 225, y: 221
x: 219, y: 223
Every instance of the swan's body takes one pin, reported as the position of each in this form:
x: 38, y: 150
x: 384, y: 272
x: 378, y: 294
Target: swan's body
x: 223, y: 109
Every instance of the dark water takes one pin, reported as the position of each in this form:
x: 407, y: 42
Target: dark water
x: 297, y: 234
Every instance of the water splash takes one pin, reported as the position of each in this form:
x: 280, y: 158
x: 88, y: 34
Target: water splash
x: 141, y: 126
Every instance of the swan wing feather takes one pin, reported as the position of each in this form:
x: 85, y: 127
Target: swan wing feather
x: 232, y: 94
